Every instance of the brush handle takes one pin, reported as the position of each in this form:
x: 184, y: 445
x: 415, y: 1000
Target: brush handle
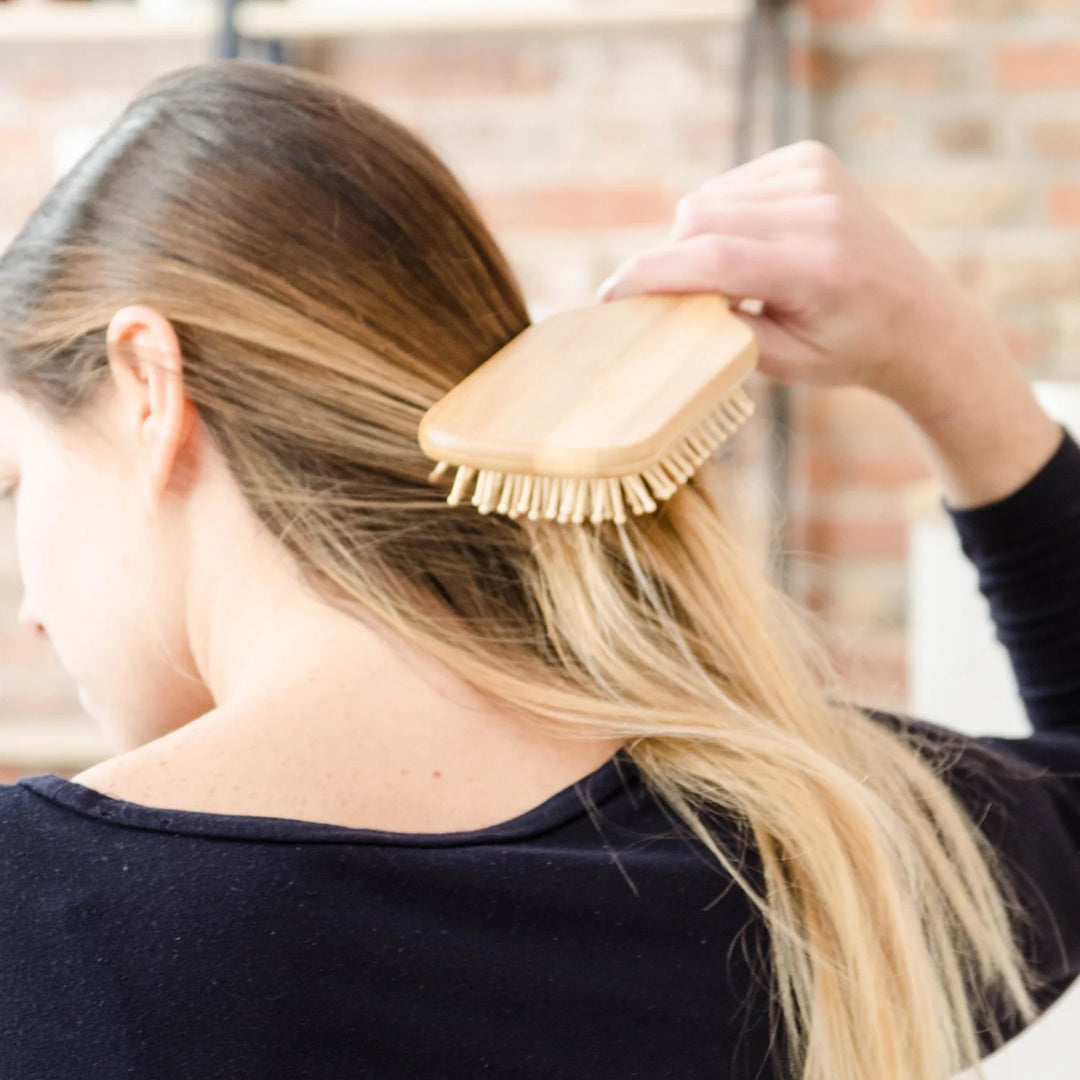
x: 604, y: 390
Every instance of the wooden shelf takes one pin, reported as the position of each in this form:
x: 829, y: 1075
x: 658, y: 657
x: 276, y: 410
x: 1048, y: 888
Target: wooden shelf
x: 106, y: 21
x: 270, y: 20
x: 299, y: 19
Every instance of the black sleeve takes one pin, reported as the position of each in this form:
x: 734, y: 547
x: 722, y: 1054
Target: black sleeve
x: 1026, y: 548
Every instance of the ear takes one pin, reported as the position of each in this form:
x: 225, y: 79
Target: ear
x: 148, y: 369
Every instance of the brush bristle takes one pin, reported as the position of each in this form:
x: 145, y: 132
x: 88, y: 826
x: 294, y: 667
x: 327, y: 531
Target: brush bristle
x: 571, y: 499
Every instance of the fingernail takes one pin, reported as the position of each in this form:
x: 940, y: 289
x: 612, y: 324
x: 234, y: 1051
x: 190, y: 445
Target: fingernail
x: 607, y: 286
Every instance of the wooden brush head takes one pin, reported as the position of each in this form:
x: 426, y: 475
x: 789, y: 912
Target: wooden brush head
x: 606, y: 393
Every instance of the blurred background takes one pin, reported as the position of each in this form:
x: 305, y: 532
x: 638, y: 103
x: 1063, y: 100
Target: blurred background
x: 576, y: 125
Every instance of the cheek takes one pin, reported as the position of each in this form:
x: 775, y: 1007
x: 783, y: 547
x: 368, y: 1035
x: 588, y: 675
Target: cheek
x: 74, y: 542
x: 103, y: 583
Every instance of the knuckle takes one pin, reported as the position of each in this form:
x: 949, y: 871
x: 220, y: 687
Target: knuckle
x: 713, y: 186
x: 709, y: 254
x: 817, y: 182
x: 715, y: 250
x: 837, y: 271
x: 691, y: 214
x: 685, y: 204
x: 819, y: 163
x: 831, y: 211
x: 814, y: 152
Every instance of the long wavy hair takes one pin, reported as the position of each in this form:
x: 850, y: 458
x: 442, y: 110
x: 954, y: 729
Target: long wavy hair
x: 329, y: 280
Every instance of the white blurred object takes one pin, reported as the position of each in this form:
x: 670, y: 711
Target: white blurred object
x: 1062, y: 401
x: 958, y: 673
x: 165, y: 7
x: 1047, y: 1049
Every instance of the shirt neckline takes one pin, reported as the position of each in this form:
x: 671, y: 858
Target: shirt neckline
x: 571, y: 802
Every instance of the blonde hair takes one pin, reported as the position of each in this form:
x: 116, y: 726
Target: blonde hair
x: 329, y: 280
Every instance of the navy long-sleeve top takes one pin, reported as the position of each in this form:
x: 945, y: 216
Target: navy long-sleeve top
x: 589, y: 937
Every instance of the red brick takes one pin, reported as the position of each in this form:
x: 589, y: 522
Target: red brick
x: 849, y: 424
x: 1064, y: 204
x: 809, y: 66
x: 577, y: 207
x: 834, y: 10
x: 815, y: 598
x: 817, y: 471
x: 874, y: 124
x: 868, y: 539
x: 988, y: 197
x: 869, y: 593
x: 65, y: 72
x: 911, y: 69
x: 971, y: 135
x: 823, y: 473
x: 873, y: 668
x: 1055, y: 138
x: 854, y: 594
x: 455, y: 67
x: 1038, y: 67
x: 931, y: 10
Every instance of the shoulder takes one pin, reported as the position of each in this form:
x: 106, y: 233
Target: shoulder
x: 39, y: 840
x: 19, y: 805
x: 1023, y: 794
x: 1042, y: 758
x: 30, y: 804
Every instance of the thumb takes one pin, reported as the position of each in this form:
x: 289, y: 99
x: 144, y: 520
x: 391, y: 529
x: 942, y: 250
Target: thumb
x: 781, y: 354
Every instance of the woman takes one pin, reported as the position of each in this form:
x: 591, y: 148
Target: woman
x: 404, y: 791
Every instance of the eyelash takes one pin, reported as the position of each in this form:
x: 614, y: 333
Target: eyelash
x: 8, y: 492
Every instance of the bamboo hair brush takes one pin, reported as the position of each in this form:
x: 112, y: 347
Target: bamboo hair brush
x: 592, y: 411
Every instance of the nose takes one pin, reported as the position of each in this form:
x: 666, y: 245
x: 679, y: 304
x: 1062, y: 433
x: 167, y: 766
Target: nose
x: 28, y: 621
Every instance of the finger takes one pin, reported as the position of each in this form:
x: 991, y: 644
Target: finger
x: 782, y: 355
x: 791, y: 184
x: 803, y: 156
x: 747, y: 219
x: 769, y: 221
x: 732, y: 265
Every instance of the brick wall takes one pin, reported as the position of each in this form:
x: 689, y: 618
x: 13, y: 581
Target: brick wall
x: 963, y: 118
x: 577, y: 144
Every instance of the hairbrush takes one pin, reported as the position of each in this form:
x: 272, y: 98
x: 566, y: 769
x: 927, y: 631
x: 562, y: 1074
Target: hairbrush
x: 593, y: 411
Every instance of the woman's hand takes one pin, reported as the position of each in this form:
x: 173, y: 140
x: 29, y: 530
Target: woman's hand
x: 849, y: 299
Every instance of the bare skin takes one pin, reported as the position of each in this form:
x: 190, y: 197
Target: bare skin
x: 849, y: 300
